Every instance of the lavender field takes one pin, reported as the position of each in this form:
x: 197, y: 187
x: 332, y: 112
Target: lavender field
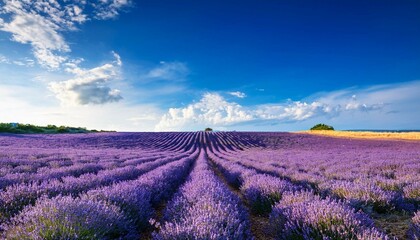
x: 207, y: 185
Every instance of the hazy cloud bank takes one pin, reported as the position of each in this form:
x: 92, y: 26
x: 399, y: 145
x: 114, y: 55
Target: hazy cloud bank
x: 215, y: 111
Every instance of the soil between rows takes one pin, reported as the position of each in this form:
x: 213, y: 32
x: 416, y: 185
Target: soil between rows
x: 394, y: 224
x: 160, y: 208
x: 259, y: 224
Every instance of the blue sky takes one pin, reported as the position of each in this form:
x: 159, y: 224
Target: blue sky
x: 231, y: 65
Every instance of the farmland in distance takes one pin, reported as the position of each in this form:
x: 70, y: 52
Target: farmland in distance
x: 208, y: 185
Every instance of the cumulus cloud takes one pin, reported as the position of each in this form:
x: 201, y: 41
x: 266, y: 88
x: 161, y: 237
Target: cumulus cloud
x: 89, y: 86
x: 213, y: 110
x: 237, y: 94
x: 41, y: 23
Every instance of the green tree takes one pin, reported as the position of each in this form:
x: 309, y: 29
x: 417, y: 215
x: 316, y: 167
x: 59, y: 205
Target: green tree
x: 322, y: 126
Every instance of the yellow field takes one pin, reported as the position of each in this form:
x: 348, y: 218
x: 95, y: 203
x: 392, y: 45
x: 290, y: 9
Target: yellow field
x: 369, y: 135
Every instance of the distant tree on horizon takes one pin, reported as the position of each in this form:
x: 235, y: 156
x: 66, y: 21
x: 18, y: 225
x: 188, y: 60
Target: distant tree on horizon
x: 208, y: 130
x: 51, y: 129
x: 322, y: 126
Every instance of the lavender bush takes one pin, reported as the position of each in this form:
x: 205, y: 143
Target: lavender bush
x: 70, y: 218
x: 362, y: 195
x: 262, y: 191
x: 314, y: 218
x: 412, y: 192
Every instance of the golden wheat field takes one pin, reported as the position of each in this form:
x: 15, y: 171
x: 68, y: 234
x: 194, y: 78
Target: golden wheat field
x: 369, y: 135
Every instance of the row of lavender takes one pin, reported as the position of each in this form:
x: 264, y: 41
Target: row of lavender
x: 287, y: 177
x: 112, y: 202
x: 37, y: 161
x: 203, y: 208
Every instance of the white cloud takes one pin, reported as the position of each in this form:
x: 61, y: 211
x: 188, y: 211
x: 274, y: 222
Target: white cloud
x: 29, y: 62
x: 41, y: 23
x: 38, y: 23
x: 295, y: 110
x: 48, y: 59
x: 20, y: 62
x: 89, y: 86
x: 237, y: 94
x: 107, y: 9
x: 117, y: 58
x: 73, y: 64
x: 168, y: 71
x: 213, y: 110
x: 355, y: 105
x: 75, y: 14
x: 4, y: 59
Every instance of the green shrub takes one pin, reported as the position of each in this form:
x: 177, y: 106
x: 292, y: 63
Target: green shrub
x: 322, y: 126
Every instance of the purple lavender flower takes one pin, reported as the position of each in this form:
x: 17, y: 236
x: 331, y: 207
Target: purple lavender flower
x: 262, y: 191
x: 136, y: 172
x: 204, y: 209
x: 362, y: 194
x: 412, y: 192
x: 70, y: 218
x: 314, y: 218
